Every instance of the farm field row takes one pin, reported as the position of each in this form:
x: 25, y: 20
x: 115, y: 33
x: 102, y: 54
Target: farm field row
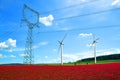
x: 109, y: 71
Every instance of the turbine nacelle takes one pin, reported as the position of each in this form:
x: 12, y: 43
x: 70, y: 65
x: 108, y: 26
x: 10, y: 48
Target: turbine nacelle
x: 61, y: 43
x: 95, y: 41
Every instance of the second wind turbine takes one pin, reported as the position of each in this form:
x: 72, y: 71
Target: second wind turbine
x: 94, y: 45
x: 61, y: 48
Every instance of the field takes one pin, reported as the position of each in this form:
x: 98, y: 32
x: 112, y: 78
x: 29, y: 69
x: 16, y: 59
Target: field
x: 109, y: 71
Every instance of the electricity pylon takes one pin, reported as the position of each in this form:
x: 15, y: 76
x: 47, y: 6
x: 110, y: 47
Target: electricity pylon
x: 31, y: 23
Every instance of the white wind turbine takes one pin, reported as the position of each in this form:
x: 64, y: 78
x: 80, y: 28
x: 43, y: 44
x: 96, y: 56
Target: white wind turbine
x: 61, y: 48
x: 94, y: 45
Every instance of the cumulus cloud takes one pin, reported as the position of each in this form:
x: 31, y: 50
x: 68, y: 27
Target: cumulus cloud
x: 8, y: 45
x: 11, y: 42
x: 116, y: 2
x: 3, y: 45
x: 47, y: 21
x: 85, y: 34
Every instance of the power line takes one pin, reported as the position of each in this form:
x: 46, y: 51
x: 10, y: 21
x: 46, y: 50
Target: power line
x: 82, y: 15
x: 77, y: 29
x: 58, y: 9
x: 81, y: 29
x: 9, y: 33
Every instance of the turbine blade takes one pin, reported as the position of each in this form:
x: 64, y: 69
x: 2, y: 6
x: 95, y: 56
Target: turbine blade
x: 64, y: 37
x: 93, y: 37
x: 97, y: 39
x: 59, y: 42
x: 59, y: 49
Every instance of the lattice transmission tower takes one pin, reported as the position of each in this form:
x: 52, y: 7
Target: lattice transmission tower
x: 31, y: 19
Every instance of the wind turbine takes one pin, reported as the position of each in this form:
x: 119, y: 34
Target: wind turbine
x: 61, y: 48
x: 94, y: 45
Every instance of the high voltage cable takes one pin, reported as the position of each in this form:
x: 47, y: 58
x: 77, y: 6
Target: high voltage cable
x: 82, y: 15
x: 69, y: 6
x: 81, y: 29
x: 9, y: 33
x: 77, y: 29
x: 93, y: 13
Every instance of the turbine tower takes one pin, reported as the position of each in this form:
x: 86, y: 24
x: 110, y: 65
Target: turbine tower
x: 31, y: 19
x: 94, y: 44
x: 61, y: 48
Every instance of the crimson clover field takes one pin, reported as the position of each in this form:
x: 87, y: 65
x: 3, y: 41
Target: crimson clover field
x: 109, y: 71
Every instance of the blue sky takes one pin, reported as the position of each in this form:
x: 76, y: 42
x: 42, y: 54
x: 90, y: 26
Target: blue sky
x: 80, y: 30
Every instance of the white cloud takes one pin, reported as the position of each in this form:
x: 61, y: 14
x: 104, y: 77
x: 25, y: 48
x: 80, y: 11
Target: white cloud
x: 18, y: 49
x: 40, y: 44
x: 56, y: 60
x: 47, y: 21
x: 3, y: 45
x: 46, y: 57
x: 70, y: 57
x: 72, y: 2
x: 116, y: 2
x: 11, y: 42
x: 89, y: 45
x: 12, y: 56
x: 23, y: 54
x: 86, y: 54
x: 43, y: 43
x: 8, y: 45
x: 109, y: 51
x: 55, y: 50
x: 1, y: 56
x: 85, y: 34
x: 65, y: 29
x: 4, y: 56
x: 10, y: 50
